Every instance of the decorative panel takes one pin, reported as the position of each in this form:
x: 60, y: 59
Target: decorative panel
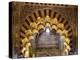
x: 42, y: 29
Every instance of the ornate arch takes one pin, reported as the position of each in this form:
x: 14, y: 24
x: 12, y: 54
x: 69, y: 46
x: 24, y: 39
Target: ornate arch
x: 39, y: 20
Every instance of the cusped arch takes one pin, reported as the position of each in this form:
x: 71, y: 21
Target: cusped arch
x: 39, y: 20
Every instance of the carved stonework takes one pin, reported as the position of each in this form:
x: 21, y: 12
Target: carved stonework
x: 42, y: 29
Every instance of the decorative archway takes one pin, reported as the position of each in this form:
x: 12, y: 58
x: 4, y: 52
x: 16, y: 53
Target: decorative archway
x: 39, y: 20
